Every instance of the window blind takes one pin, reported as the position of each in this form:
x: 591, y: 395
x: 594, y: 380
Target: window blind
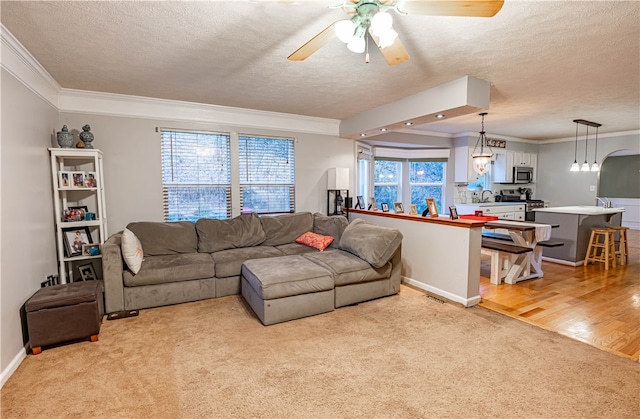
x: 267, y: 174
x: 196, y: 175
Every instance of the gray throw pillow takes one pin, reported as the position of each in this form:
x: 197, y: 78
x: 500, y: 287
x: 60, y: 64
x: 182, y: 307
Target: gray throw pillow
x: 284, y: 229
x: 242, y: 231
x: 370, y: 242
x: 332, y: 225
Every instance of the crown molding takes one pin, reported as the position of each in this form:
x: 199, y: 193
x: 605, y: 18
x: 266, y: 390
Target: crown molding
x: 600, y: 136
x: 19, y: 62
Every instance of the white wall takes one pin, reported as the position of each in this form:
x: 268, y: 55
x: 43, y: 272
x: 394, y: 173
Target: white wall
x: 133, y: 172
x: 28, y: 234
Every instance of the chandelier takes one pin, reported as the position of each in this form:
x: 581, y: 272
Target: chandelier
x: 482, y: 156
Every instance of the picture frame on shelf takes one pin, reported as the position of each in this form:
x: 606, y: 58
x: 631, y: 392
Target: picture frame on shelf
x: 75, y: 213
x: 385, y: 207
x: 90, y: 180
x: 373, y: 206
x: 77, y: 179
x: 87, y: 272
x: 90, y: 249
x: 359, y: 202
x: 413, y: 209
x: 432, y: 207
x: 64, y: 179
x: 453, y: 212
x: 74, y: 239
x: 398, y: 208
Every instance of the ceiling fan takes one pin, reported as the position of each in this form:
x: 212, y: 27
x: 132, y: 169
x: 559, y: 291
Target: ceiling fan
x: 370, y: 16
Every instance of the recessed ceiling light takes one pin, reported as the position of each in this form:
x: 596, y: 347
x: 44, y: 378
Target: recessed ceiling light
x: 408, y: 123
x: 440, y: 116
x: 383, y: 129
x: 363, y: 135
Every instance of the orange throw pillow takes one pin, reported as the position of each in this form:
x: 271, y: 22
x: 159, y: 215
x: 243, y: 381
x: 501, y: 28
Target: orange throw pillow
x: 317, y: 241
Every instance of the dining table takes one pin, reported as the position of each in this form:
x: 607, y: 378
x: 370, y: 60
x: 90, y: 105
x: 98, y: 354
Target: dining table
x: 526, y: 234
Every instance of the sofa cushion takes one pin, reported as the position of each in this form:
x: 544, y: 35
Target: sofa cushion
x: 242, y: 231
x: 171, y: 268
x: 332, y: 225
x: 131, y: 250
x: 159, y: 238
x: 283, y: 229
x: 229, y: 262
x: 317, y: 241
x: 348, y: 268
x: 295, y: 249
x: 373, y: 243
x: 286, y: 276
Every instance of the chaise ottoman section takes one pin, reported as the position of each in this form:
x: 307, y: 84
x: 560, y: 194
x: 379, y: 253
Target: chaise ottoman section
x: 286, y: 288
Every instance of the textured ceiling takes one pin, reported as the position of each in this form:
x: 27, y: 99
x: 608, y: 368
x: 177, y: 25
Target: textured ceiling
x: 549, y: 62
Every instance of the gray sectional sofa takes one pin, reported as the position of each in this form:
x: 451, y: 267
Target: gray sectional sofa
x: 185, y: 261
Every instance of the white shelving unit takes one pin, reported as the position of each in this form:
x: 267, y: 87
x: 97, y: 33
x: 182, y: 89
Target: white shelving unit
x: 65, y: 196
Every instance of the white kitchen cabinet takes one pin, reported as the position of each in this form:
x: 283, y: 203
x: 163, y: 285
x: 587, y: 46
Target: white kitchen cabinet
x: 504, y: 212
x: 504, y: 164
x: 463, y: 165
x: 78, y: 184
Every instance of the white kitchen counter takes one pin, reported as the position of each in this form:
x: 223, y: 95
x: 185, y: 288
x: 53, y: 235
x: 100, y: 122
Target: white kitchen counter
x: 581, y: 210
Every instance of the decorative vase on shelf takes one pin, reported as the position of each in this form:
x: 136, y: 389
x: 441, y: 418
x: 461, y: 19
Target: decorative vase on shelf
x: 86, y: 136
x: 65, y: 138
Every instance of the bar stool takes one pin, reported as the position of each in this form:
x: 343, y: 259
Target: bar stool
x: 621, y: 245
x: 601, y: 247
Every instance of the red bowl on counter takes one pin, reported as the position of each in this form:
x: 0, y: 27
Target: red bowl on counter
x: 478, y: 217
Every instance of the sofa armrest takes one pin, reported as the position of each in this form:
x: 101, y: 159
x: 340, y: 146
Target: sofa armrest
x: 112, y: 267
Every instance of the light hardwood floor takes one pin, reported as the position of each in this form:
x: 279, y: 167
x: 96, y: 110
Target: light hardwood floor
x: 598, y: 307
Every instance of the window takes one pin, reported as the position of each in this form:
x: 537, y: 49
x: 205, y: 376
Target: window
x: 267, y: 174
x: 427, y: 180
x: 387, y: 178
x: 196, y: 175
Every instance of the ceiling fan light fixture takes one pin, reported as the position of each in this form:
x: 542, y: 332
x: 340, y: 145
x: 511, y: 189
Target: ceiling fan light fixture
x: 388, y: 38
x: 344, y: 30
x: 356, y: 45
x: 380, y: 23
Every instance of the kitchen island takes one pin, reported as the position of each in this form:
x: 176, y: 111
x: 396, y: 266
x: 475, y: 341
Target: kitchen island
x: 575, y: 223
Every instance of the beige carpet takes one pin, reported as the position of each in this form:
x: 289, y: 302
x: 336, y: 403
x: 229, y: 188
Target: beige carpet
x: 402, y: 356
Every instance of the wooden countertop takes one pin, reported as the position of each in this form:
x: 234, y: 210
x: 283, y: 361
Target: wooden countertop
x: 435, y: 220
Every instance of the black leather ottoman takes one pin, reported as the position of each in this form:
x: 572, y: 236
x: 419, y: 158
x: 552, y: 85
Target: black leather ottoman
x: 64, y: 312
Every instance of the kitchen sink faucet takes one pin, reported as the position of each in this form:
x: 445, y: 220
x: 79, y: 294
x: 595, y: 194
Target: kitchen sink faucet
x: 605, y: 204
x: 482, y: 195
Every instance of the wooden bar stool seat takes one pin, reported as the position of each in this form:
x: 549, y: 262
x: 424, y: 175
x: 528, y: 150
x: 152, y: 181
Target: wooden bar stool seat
x: 601, y: 247
x: 621, y: 245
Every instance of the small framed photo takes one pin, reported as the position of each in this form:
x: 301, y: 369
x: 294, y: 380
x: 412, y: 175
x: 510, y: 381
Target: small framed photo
x: 360, y: 202
x: 385, y: 207
x: 373, y: 206
x: 432, y: 207
x: 74, y: 239
x: 453, y: 213
x: 413, y: 209
x: 90, y: 249
x: 87, y: 273
x: 77, y: 179
x: 75, y: 213
x: 398, y: 208
x: 64, y: 179
x: 90, y: 180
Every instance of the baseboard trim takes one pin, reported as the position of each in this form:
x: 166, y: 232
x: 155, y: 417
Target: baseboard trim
x: 13, y: 366
x: 467, y: 302
x: 563, y: 262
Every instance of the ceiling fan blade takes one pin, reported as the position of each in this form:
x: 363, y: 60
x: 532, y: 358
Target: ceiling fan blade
x: 394, y: 54
x: 468, y: 8
x: 314, y: 44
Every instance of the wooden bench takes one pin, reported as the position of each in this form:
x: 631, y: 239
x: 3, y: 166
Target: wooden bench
x: 508, y: 261
x: 507, y: 238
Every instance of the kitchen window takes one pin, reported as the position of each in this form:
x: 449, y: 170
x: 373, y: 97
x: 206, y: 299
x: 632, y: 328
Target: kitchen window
x: 196, y: 175
x: 387, y: 178
x: 427, y: 179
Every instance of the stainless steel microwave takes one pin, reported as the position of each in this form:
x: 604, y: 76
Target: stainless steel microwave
x: 522, y: 174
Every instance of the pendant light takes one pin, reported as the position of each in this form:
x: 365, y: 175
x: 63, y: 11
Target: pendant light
x: 482, y: 157
x: 594, y: 166
x: 575, y: 166
x: 585, y: 165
